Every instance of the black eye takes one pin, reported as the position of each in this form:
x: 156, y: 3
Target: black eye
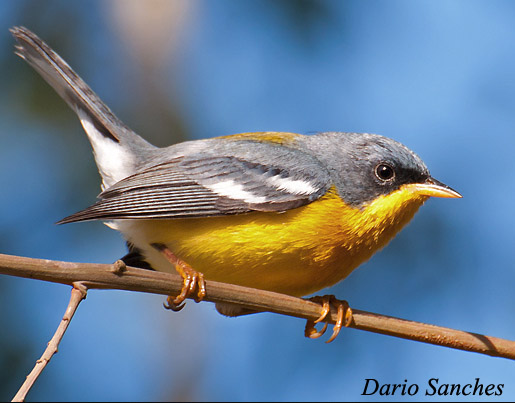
x: 384, y: 172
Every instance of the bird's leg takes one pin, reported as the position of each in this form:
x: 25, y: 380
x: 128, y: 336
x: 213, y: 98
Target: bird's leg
x: 192, y: 279
x: 344, y: 317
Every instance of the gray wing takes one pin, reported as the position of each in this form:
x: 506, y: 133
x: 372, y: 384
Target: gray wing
x: 260, y: 178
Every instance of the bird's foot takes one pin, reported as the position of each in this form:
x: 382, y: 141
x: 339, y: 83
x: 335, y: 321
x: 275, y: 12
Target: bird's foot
x: 344, y: 317
x: 192, y: 280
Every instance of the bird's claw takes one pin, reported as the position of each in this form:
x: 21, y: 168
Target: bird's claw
x: 344, y: 317
x: 169, y: 304
x: 192, y: 280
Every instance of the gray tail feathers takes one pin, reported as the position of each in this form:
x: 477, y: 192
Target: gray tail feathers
x: 118, y: 150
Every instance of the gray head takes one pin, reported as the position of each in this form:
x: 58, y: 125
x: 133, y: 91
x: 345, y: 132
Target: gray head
x: 364, y: 166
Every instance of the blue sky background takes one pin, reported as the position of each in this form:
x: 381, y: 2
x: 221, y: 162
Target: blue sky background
x: 439, y: 76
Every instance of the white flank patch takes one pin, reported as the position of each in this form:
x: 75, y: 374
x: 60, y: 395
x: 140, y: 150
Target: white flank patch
x: 235, y: 191
x: 297, y: 187
x: 114, y: 162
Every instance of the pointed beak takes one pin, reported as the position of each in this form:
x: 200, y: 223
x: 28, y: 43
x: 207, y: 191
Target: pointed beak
x: 433, y: 188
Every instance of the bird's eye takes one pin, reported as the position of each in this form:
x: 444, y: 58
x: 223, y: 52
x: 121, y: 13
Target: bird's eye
x: 384, y: 172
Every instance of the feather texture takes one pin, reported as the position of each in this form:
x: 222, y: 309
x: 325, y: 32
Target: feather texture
x: 203, y: 184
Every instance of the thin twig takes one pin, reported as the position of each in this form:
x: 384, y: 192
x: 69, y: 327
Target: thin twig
x: 78, y: 294
x: 108, y: 276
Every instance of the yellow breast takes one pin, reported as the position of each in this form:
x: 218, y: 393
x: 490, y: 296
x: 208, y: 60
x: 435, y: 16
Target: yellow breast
x: 296, y: 252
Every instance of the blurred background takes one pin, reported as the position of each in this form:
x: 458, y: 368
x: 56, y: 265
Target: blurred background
x: 438, y: 76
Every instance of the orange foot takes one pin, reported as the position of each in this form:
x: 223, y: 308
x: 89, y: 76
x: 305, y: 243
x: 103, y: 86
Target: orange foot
x: 344, y: 317
x: 192, y: 279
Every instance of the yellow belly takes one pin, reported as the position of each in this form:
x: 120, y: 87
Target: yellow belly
x: 296, y: 252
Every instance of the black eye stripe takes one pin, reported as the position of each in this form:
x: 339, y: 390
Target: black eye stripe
x: 384, y: 172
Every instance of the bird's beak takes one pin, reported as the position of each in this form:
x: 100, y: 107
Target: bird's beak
x: 432, y: 187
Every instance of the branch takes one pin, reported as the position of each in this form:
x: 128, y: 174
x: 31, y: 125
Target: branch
x: 78, y: 294
x: 114, y: 276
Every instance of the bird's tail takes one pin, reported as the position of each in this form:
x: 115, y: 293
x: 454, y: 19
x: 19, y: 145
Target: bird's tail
x: 117, y: 149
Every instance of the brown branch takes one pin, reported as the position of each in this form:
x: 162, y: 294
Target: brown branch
x: 78, y: 294
x: 108, y: 276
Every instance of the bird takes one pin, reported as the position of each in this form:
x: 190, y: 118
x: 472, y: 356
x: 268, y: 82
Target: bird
x: 278, y: 211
